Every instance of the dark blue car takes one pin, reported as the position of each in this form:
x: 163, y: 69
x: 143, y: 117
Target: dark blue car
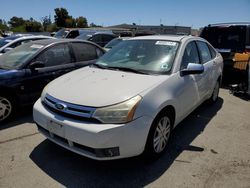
x: 27, y: 69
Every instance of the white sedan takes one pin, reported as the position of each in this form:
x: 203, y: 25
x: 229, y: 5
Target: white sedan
x: 129, y: 102
x: 8, y: 43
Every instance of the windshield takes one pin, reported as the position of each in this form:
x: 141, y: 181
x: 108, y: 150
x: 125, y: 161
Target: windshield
x: 7, y: 40
x: 18, y: 56
x: 148, y: 56
x: 61, y: 33
x: 232, y: 37
x: 84, y: 36
x: 113, y: 42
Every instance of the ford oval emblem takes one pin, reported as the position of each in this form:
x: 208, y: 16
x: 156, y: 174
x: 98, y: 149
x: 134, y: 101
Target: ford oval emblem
x: 60, y: 106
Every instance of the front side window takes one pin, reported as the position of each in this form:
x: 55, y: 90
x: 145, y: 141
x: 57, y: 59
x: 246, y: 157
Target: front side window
x: 148, y: 56
x: 190, y: 55
x: 204, y: 51
x: 55, y: 55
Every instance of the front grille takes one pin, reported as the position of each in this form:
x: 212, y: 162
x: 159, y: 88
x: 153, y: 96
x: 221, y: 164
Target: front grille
x: 69, y: 110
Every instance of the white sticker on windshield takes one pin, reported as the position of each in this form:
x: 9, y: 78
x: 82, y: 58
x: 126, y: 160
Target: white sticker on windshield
x: 36, y: 46
x: 166, y: 43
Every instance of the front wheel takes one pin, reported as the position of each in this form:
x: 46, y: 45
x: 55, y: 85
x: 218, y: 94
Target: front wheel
x: 215, y: 93
x: 159, y: 136
x: 6, y: 108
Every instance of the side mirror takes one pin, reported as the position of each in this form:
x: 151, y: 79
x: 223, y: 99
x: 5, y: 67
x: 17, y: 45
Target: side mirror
x: 6, y: 50
x: 36, y: 64
x: 193, y: 68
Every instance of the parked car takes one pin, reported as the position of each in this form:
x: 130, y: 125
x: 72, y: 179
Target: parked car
x: 129, y: 101
x: 232, y: 40
x: 114, y: 42
x: 72, y: 33
x: 8, y: 43
x: 100, y: 38
x: 25, y: 70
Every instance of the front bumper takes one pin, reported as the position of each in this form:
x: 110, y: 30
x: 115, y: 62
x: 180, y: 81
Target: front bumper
x: 93, y: 140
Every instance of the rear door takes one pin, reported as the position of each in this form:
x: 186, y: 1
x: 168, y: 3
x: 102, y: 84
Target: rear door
x: 207, y: 77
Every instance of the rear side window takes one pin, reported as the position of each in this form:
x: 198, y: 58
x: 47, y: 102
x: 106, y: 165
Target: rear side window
x: 84, y: 51
x: 203, y: 51
x: 190, y: 55
x: 212, y: 51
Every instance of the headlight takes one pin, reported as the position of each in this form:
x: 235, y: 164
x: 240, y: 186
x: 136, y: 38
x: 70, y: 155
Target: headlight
x: 119, y: 113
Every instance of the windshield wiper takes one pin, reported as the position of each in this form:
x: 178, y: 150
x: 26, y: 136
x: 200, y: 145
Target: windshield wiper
x: 128, y: 70
x: 99, y: 66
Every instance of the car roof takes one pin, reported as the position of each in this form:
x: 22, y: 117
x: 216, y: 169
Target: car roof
x: 230, y: 24
x: 163, y: 37
x: 46, y: 42
x: 13, y: 37
x: 34, y: 37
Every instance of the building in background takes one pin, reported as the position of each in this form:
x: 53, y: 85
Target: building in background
x: 153, y: 29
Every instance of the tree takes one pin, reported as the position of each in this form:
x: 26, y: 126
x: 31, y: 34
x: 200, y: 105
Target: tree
x: 70, y: 22
x: 33, y: 26
x: 94, y: 25
x: 81, y: 22
x: 16, y: 22
x: 46, y: 21
x: 61, y: 14
x: 3, y: 25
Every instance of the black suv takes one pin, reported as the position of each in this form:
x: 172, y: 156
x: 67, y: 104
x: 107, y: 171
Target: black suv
x: 232, y: 40
x: 26, y: 70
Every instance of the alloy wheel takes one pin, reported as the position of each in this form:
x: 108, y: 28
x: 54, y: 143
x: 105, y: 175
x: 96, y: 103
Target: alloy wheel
x: 162, y: 134
x: 5, y: 108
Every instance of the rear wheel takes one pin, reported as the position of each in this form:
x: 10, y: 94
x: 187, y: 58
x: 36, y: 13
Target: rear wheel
x: 6, y: 107
x: 159, y: 136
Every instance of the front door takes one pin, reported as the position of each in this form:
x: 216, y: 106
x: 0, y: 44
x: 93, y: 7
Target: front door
x: 58, y: 61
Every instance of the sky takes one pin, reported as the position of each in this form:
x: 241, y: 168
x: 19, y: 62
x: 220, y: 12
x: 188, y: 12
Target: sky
x: 194, y: 13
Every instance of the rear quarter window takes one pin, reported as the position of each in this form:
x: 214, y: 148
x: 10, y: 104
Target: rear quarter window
x: 203, y: 51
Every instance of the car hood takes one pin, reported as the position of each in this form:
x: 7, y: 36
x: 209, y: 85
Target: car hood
x: 96, y: 87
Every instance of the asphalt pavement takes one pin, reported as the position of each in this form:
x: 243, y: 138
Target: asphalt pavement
x: 210, y: 148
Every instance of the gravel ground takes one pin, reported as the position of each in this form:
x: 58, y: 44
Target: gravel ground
x: 210, y: 148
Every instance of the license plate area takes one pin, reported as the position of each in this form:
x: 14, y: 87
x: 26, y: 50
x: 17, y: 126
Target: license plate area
x: 55, y: 128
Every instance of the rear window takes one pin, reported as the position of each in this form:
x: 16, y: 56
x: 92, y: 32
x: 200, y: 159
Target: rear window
x: 232, y: 37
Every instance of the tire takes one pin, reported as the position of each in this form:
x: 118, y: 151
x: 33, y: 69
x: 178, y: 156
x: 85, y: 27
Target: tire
x: 159, y: 136
x: 7, y: 107
x: 215, y: 93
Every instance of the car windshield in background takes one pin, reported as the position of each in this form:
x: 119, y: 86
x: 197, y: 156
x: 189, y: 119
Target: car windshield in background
x: 113, y: 42
x: 6, y: 40
x: 18, y: 56
x: 148, y: 56
x: 232, y: 37
x: 84, y: 36
x: 61, y: 33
